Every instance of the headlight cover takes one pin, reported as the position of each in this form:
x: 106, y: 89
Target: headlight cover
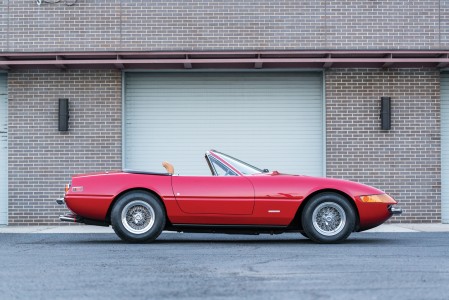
x: 382, y: 198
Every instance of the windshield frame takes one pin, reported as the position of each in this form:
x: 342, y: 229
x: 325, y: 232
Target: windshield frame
x: 232, y: 162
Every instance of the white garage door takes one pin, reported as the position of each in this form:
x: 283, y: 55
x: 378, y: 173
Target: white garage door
x: 445, y: 148
x: 271, y: 120
x: 3, y: 150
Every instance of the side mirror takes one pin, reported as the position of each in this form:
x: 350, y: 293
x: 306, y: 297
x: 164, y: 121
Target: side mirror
x: 266, y: 171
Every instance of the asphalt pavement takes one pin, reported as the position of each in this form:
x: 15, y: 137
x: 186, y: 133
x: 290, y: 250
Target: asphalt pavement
x: 394, y: 262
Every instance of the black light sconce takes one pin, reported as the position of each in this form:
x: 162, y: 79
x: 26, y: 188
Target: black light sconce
x: 385, y: 113
x: 63, y: 123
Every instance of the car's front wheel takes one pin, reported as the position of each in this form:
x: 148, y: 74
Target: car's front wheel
x: 138, y: 217
x: 328, y: 218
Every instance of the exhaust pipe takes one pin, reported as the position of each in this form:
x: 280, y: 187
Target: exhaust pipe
x: 71, y: 218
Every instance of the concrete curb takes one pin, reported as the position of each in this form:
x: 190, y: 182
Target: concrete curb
x: 411, y: 227
x: 56, y: 229
x: 424, y: 227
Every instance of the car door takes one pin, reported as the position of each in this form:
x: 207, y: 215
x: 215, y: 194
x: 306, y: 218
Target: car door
x: 223, y: 195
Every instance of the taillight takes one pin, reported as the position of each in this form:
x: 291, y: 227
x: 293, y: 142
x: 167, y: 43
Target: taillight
x: 67, y: 187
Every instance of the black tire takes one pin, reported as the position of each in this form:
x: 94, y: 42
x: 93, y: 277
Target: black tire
x: 328, y: 218
x: 138, y: 217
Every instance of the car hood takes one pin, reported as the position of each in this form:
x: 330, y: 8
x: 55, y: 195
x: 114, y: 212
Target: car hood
x: 313, y: 183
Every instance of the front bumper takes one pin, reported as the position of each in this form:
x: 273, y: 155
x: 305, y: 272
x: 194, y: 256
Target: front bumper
x: 394, y: 210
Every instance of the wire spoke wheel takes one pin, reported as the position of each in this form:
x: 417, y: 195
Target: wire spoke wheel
x: 329, y: 218
x: 138, y: 217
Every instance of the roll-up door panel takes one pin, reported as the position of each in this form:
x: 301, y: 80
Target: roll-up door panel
x: 272, y: 120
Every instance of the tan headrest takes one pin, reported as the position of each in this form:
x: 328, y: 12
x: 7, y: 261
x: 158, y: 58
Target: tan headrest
x: 169, y: 167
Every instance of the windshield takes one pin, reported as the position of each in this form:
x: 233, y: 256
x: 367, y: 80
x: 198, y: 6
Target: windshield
x: 242, y: 167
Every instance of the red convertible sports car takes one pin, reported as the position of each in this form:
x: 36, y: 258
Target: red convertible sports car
x: 236, y: 198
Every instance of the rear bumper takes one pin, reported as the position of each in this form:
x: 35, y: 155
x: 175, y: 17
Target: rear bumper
x: 74, y: 218
x: 70, y: 217
x: 394, y: 210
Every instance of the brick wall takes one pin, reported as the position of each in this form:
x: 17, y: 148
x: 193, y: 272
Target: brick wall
x: 404, y: 161
x: 444, y: 24
x: 3, y: 25
x: 42, y: 159
x: 102, y: 25
x: 368, y: 24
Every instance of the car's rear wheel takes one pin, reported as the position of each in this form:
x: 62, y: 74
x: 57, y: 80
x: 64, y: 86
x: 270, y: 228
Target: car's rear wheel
x: 328, y: 218
x: 138, y: 217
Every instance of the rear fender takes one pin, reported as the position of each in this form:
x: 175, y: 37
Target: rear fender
x: 139, y: 189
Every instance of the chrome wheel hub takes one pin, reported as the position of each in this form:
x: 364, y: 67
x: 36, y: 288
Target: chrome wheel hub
x: 138, y: 217
x: 329, y: 218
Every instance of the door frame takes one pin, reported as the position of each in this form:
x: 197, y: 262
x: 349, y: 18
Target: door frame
x: 444, y: 138
x: 5, y: 200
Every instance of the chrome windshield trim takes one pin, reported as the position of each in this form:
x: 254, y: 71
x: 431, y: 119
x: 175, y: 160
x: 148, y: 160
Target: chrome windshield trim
x: 225, y: 158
